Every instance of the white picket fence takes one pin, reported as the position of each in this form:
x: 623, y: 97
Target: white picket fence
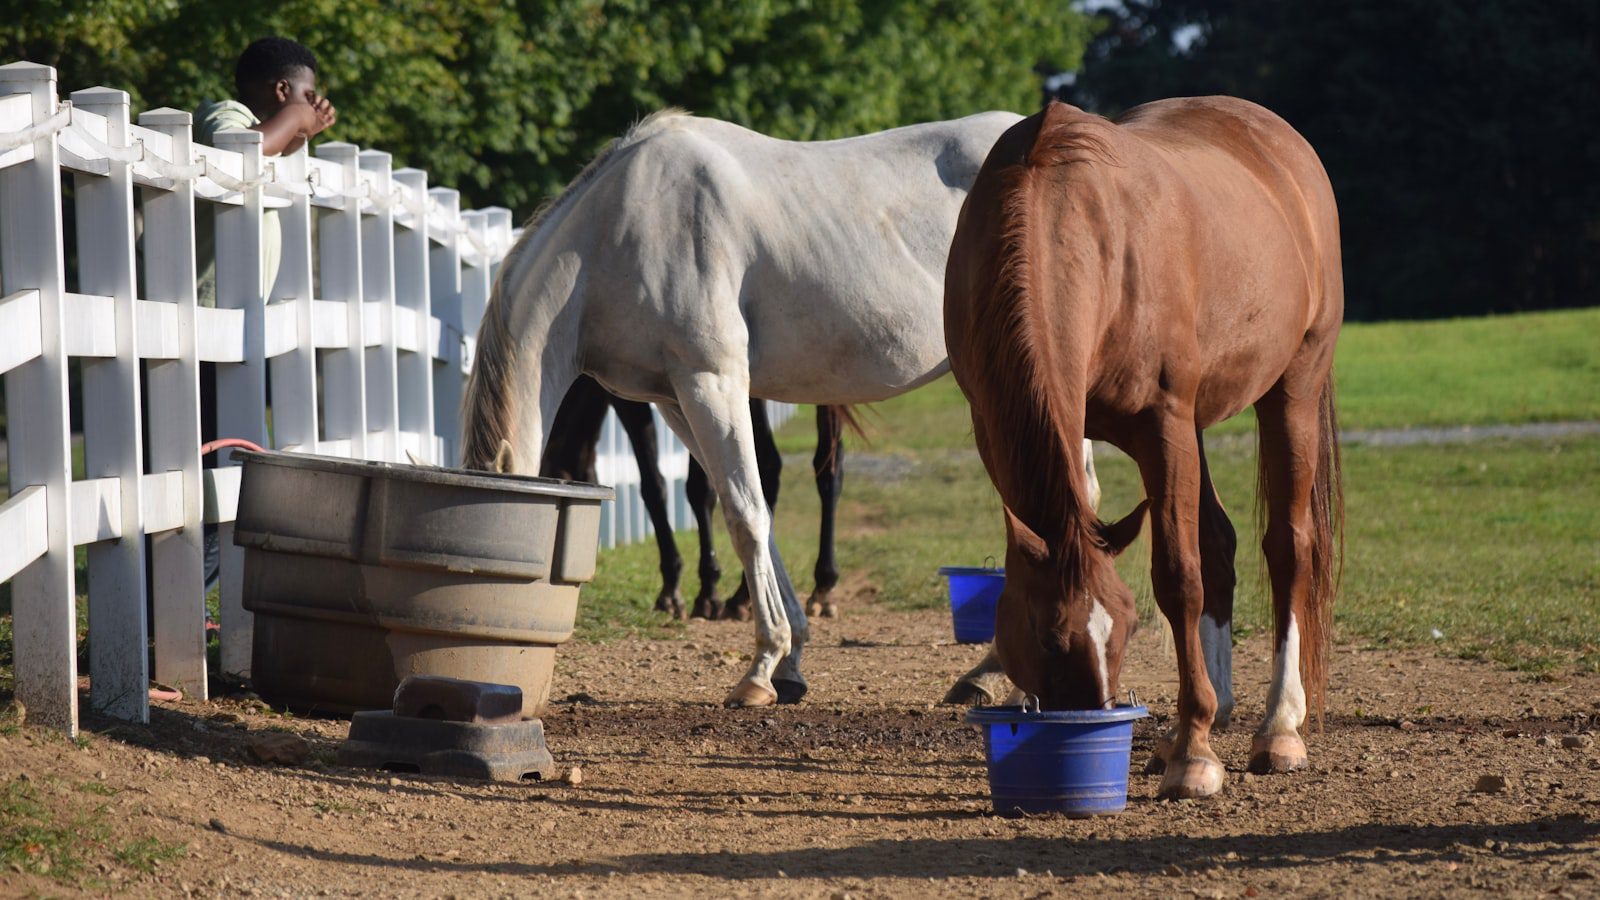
x: 372, y: 365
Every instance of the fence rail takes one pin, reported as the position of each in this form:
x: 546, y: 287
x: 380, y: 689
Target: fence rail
x: 366, y: 336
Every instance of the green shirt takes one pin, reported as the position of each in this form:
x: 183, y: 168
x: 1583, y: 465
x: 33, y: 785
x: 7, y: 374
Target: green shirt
x: 208, y: 120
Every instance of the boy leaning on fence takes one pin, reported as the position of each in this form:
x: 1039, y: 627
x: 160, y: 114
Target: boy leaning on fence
x: 276, y: 82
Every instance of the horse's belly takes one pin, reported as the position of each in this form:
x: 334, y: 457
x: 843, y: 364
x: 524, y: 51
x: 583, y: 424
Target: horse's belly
x: 815, y: 342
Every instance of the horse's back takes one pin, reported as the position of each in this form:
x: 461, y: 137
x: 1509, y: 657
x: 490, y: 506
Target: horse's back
x: 824, y: 259
x: 1197, y: 238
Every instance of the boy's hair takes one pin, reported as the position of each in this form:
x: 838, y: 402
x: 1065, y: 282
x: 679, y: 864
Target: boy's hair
x: 269, y: 59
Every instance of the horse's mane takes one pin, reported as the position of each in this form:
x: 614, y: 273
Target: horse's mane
x: 1036, y: 398
x: 487, y: 418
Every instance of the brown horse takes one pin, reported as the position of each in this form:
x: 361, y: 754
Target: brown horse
x: 1137, y: 281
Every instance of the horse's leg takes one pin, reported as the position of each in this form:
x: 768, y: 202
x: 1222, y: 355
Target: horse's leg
x: 770, y: 465
x: 702, y: 502
x: 640, y: 425
x: 983, y: 685
x: 717, y: 414
x: 570, y: 450
x: 1289, y: 446
x: 828, y: 466
x: 1218, y: 544
x: 1170, y: 467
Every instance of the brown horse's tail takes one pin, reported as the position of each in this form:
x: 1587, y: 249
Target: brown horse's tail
x: 1327, y: 556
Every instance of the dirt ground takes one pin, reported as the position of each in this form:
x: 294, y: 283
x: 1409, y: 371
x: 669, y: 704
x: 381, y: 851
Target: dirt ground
x: 866, y: 789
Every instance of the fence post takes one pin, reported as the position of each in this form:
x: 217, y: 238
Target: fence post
x: 414, y: 368
x: 241, y: 386
x: 377, y: 283
x: 344, y: 393
x: 118, y: 662
x: 294, y: 373
x: 475, y: 278
x: 43, y: 597
x: 172, y: 391
x: 444, y: 271
x: 498, y: 219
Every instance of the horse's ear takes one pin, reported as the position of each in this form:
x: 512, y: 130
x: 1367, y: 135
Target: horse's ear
x: 1119, y: 534
x: 1025, y: 538
x: 502, y: 457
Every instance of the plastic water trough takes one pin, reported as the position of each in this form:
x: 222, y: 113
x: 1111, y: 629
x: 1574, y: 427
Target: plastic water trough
x: 361, y: 574
x: 1073, y: 762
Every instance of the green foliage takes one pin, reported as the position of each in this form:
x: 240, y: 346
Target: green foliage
x: 507, y: 101
x: 1461, y: 138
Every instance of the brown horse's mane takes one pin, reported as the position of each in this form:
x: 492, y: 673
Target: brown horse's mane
x: 486, y: 406
x: 1042, y: 424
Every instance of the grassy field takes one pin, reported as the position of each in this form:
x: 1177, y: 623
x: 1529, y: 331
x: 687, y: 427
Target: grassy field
x: 1491, y: 544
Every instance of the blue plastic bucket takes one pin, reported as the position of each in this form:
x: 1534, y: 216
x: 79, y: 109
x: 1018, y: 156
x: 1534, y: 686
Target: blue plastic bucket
x: 974, y: 594
x: 1073, y: 762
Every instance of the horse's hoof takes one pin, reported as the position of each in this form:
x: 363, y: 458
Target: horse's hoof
x: 735, y: 612
x: 967, y: 693
x: 1191, y: 779
x: 829, y: 610
x: 706, y: 608
x: 789, y: 691
x: 747, y: 693
x: 1277, y: 754
x: 670, y: 603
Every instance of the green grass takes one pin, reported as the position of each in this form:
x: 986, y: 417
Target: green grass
x: 1532, y: 367
x: 48, y: 831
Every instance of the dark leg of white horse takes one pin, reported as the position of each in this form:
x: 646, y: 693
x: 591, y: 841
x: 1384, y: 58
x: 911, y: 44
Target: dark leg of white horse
x: 702, y: 502
x: 1218, y: 544
x: 984, y: 685
x: 770, y: 464
x: 640, y: 424
x: 715, y: 412
x: 828, y: 466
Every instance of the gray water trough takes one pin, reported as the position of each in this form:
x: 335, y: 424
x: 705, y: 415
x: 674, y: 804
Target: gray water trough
x: 363, y: 573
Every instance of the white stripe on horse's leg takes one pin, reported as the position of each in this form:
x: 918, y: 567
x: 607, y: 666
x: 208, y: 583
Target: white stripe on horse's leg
x: 1276, y: 746
x: 1216, y: 640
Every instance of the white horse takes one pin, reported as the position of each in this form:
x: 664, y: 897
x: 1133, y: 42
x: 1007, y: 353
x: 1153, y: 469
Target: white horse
x: 696, y: 264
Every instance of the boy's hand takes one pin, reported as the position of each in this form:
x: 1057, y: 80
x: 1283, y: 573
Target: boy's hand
x: 321, y: 114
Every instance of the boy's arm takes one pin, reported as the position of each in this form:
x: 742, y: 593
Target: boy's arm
x: 294, y: 124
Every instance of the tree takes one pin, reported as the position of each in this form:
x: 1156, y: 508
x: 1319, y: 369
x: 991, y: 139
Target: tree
x: 506, y: 101
x: 1462, y: 139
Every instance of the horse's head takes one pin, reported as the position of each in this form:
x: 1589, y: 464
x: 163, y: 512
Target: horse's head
x: 1065, y: 616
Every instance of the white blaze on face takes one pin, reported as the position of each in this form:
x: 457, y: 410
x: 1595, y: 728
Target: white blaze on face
x: 1286, y: 699
x: 1099, y: 633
